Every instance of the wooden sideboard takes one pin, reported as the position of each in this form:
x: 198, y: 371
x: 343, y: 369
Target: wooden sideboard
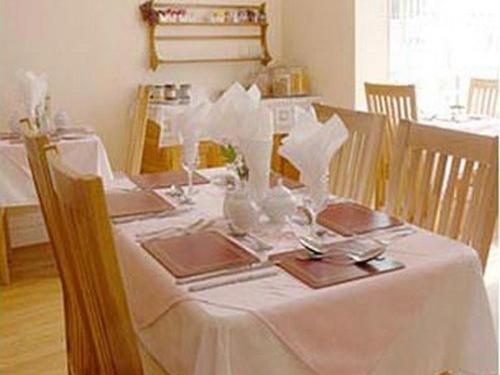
x: 158, y: 155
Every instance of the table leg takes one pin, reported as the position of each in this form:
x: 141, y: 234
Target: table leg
x: 4, y: 247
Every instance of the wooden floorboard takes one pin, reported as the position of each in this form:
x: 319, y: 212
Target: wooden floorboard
x: 31, y: 316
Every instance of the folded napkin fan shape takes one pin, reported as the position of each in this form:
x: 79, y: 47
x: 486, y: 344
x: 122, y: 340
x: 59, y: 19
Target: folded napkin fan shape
x: 310, y: 147
x: 239, y: 118
x: 34, y: 89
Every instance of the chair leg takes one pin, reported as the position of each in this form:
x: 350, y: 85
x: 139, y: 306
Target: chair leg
x: 4, y: 248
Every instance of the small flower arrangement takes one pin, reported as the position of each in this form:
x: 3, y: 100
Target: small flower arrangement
x: 235, y: 160
x: 149, y: 14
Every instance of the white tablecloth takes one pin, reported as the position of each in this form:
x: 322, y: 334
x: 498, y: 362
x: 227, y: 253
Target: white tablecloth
x: 475, y: 124
x: 216, y: 334
x: 86, y: 155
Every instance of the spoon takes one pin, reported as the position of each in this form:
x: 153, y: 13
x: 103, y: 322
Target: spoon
x: 315, y: 253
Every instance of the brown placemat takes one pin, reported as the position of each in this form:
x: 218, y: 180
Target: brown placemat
x: 349, y: 219
x: 198, y: 253
x: 7, y: 136
x: 287, y: 182
x: 128, y: 203
x: 323, y: 273
x: 166, y: 179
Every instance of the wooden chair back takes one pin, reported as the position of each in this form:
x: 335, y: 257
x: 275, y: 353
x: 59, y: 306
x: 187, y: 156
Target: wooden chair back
x: 96, y: 272
x: 397, y: 102
x: 483, y: 97
x: 81, y: 353
x: 138, y: 131
x: 446, y: 181
x: 353, y: 168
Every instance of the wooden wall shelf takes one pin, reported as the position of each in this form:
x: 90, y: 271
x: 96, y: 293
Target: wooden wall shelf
x: 207, y: 37
x: 197, y: 61
x: 152, y: 10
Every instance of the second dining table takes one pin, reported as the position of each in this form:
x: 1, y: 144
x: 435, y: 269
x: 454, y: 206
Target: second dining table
x: 432, y: 315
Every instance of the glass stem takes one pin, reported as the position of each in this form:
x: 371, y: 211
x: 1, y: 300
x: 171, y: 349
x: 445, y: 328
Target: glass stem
x: 190, y: 182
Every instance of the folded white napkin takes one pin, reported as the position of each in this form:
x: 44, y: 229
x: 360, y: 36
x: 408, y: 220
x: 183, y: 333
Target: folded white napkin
x: 227, y: 113
x: 255, y: 141
x: 34, y: 89
x: 191, y: 124
x: 310, y: 147
x: 239, y: 118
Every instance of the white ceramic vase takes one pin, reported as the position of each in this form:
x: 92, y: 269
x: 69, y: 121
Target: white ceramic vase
x: 279, y: 203
x: 240, y: 210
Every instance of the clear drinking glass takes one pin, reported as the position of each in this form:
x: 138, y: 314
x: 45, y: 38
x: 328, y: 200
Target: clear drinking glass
x: 190, y: 161
x: 316, y: 200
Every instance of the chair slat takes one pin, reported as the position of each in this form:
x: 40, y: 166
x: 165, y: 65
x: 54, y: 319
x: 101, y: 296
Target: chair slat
x: 462, y: 195
x: 434, y: 200
x: 424, y: 187
x: 396, y: 102
x: 483, y: 97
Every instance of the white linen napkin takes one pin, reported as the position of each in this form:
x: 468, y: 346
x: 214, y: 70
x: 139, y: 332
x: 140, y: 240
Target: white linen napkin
x: 228, y: 111
x: 310, y: 147
x: 255, y: 141
x: 240, y: 119
x: 34, y: 89
x: 191, y: 124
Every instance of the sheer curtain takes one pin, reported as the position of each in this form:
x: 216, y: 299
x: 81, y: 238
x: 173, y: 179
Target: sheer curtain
x: 440, y: 44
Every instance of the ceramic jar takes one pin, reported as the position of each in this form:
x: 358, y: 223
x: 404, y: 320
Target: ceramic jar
x: 241, y: 211
x: 279, y: 203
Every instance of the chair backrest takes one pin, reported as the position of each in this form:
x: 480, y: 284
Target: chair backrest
x: 90, y: 243
x: 80, y: 349
x: 397, y: 102
x: 138, y: 131
x: 353, y: 168
x: 446, y: 181
x: 483, y: 97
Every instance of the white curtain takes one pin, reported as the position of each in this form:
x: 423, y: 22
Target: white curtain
x: 440, y: 44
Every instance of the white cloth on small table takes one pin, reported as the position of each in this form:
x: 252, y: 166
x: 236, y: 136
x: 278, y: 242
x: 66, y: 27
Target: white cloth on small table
x: 86, y: 155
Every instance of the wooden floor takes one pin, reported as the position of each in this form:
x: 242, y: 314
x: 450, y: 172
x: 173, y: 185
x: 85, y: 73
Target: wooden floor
x: 31, y: 316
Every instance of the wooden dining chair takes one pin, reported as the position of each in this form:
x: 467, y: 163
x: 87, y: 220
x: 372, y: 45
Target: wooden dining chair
x: 397, y: 102
x: 80, y: 354
x: 95, y: 276
x: 85, y: 337
x: 138, y: 131
x: 353, y: 168
x: 483, y: 97
x: 446, y: 181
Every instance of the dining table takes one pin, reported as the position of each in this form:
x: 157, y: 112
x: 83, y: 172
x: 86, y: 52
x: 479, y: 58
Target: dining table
x: 83, y: 151
x: 80, y: 146
x: 430, y: 316
x: 476, y: 124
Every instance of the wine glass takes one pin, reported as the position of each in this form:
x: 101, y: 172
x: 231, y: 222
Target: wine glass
x: 190, y: 162
x: 315, y: 200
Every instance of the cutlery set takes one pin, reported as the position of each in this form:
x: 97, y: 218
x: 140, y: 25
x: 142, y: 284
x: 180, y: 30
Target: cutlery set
x: 196, y: 226
x: 155, y: 215
x: 315, y: 251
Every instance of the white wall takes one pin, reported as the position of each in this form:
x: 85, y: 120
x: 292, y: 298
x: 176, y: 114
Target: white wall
x: 95, y: 54
x: 343, y: 42
x: 320, y: 35
x: 372, y: 45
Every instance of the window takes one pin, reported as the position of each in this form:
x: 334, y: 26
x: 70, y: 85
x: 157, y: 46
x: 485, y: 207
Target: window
x: 440, y: 44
